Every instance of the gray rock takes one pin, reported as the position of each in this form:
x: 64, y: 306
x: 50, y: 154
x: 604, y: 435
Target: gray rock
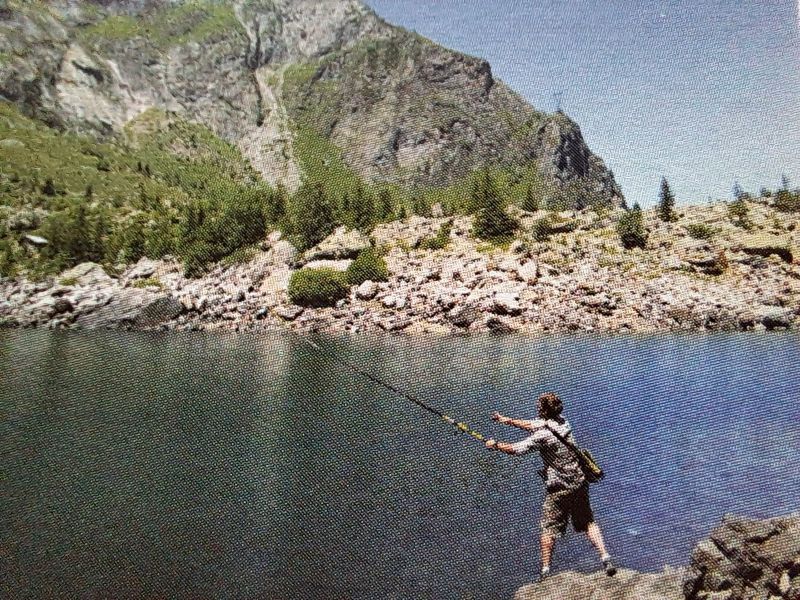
x: 506, y: 304
x: 159, y: 311
x: 528, y: 272
x: 289, y: 312
x: 62, y: 305
x: 35, y: 240
x: 626, y: 585
x: 339, y: 245
x: 367, y: 290
x: 130, y: 307
x: 497, y: 324
x: 773, y: 317
x: 143, y: 269
x: 86, y: 274
x: 463, y: 316
x: 336, y: 265
x: 283, y: 252
x: 747, y: 558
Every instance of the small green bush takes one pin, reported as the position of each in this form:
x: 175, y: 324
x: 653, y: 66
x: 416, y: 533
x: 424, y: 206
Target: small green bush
x: 631, y: 229
x: 368, y: 265
x: 786, y: 201
x: 149, y: 282
x: 542, y: 229
x: 700, y: 231
x: 440, y: 240
x: 317, y: 287
x: 739, y: 213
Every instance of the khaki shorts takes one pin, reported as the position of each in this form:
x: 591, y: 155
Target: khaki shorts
x: 563, y: 505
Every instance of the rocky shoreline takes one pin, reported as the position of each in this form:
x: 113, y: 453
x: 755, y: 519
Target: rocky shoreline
x: 580, y: 279
x: 742, y: 559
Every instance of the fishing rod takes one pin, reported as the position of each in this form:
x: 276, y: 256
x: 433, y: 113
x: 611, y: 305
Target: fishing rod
x: 460, y: 426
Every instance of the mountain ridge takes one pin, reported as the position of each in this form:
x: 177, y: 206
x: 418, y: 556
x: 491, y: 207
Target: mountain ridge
x: 401, y: 109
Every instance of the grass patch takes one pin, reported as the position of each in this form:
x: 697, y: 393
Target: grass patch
x: 146, y: 283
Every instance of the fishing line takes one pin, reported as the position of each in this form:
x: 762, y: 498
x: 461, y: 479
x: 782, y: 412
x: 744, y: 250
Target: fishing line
x: 460, y: 426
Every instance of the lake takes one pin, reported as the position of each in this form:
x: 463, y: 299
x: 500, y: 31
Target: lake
x: 139, y: 465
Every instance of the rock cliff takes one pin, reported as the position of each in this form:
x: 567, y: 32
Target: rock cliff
x: 743, y: 559
x: 269, y: 75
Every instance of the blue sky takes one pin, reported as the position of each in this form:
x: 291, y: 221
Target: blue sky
x: 705, y: 92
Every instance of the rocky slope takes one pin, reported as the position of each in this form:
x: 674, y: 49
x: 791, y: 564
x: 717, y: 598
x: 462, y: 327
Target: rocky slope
x: 581, y: 279
x: 286, y: 81
x: 743, y: 559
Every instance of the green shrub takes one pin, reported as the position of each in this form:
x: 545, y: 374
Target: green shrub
x: 542, y: 229
x: 311, y: 215
x: 149, y: 282
x: 739, y: 213
x: 786, y: 201
x: 630, y: 228
x: 666, y: 203
x: 700, y: 231
x: 440, y: 240
x: 317, y: 287
x: 368, y: 265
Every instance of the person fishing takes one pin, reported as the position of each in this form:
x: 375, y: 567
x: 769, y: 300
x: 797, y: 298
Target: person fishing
x: 566, y: 481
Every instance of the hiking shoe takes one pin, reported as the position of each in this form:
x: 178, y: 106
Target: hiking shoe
x: 543, y: 575
x: 609, y: 567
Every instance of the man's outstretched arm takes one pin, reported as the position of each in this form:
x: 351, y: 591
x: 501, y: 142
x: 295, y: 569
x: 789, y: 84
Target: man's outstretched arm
x: 518, y: 423
x: 504, y: 447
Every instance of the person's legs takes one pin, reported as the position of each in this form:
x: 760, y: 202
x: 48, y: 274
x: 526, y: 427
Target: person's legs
x: 554, y: 521
x: 596, y: 537
x: 548, y: 541
x: 583, y: 520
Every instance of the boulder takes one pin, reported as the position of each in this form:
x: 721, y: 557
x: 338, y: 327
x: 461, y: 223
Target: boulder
x: 766, y: 245
x: 143, y: 269
x: 35, y: 240
x: 528, y: 272
x: 339, y: 245
x: 62, y: 305
x: 283, y: 252
x: 710, y: 263
x: 774, y: 317
x: 289, y: 312
x: 497, y: 324
x: 130, y: 307
x: 161, y: 310
x: 336, y: 265
x: 626, y: 585
x: 367, y: 290
x: 747, y: 558
x: 506, y: 304
x: 86, y: 274
x: 463, y: 316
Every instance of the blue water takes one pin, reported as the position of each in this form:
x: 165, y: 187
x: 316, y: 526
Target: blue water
x: 143, y: 465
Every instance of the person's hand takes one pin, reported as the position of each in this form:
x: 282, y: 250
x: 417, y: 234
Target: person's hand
x: 491, y: 444
x: 496, y: 416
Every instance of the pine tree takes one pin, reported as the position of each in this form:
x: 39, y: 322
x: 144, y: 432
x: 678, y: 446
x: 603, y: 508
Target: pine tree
x: 384, y: 207
x: 666, y: 202
x: 492, y: 221
x: 278, y: 206
x: 630, y: 228
x: 738, y: 192
x: 312, y: 215
x: 363, y: 208
x: 530, y: 202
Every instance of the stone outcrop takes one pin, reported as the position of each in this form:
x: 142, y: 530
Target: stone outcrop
x: 747, y: 559
x: 626, y: 585
x: 743, y: 559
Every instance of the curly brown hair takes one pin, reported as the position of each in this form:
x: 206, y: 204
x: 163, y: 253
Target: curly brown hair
x: 550, y: 406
